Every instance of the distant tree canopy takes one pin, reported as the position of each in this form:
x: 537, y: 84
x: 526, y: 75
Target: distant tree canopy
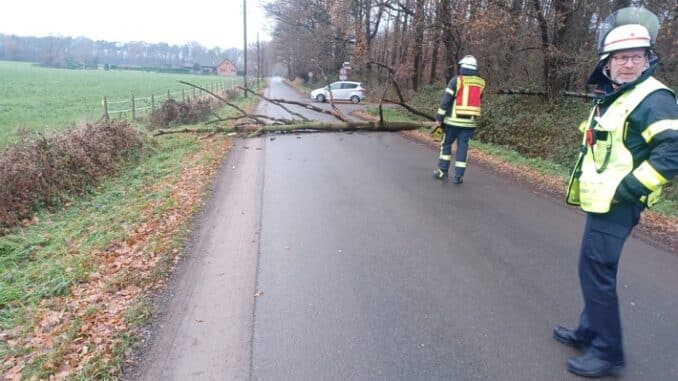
x: 545, y: 45
x: 83, y: 52
x: 542, y: 45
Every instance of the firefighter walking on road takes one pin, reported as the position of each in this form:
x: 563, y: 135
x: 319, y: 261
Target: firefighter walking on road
x: 629, y: 150
x: 458, y: 114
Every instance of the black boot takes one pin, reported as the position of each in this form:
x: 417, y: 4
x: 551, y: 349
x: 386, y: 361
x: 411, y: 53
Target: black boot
x: 589, y: 365
x: 457, y: 180
x: 568, y: 337
x: 439, y: 174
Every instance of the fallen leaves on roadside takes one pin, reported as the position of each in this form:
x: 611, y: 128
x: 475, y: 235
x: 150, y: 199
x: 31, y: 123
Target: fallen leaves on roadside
x: 83, y: 326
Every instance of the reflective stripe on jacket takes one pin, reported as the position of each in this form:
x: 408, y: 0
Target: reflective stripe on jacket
x: 460, y: 105
x: 605, y: 160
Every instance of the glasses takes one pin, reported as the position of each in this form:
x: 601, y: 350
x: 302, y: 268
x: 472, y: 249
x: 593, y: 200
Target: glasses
x: 636, y: 59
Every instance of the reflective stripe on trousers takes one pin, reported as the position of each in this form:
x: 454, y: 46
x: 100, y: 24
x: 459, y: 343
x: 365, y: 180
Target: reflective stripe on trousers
x: 462, y: 135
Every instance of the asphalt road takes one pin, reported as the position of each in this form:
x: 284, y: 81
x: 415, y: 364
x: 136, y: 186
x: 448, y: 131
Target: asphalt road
x: 365, y: 268
x: 279, y: 90
x: 372, y: 270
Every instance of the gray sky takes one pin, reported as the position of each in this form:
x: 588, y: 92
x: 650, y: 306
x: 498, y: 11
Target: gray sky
x: 209, y: 22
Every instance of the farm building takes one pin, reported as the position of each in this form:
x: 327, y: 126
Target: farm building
x: 226, y: 68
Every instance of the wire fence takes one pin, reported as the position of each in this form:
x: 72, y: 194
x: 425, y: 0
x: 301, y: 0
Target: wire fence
x: 135, y: 105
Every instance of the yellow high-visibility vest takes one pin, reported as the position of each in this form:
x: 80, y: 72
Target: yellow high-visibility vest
x: 605, y: 163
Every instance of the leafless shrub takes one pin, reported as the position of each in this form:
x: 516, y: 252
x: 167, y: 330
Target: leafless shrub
x: 174, y: 112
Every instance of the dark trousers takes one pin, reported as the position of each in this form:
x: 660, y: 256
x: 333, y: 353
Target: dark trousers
x: 450, y: 134
x: 602, y: 243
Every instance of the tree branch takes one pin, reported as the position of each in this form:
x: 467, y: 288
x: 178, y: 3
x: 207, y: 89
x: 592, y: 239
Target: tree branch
x: 275, y: 102
x: 221, y: 99
x: 255, y: 130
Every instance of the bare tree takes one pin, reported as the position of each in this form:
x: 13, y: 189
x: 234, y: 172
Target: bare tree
x: 543, y: 45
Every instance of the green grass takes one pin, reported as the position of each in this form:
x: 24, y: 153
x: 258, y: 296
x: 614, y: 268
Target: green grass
x: 515, y: 158
x: 48, y: 99
x: 391, y: 114
x: 45, y: 259
x: 668, y: 202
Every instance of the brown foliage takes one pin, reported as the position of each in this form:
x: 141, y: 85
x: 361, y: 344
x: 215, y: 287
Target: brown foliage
x: 173, y: 112
x: 538, y: 44
x: 127, y: 271
x: 41, y: 171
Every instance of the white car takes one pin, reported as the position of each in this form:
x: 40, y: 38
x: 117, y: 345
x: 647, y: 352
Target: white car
x: 341, y: 91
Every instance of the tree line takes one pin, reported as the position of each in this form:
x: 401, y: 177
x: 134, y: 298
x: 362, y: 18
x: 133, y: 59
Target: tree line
x: 543, y: 45
x: 84, y: 52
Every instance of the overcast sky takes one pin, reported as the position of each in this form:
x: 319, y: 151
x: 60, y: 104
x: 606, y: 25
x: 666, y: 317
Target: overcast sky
x: 209, y: 22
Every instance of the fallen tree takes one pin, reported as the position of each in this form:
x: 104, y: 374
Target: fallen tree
x: 255, y: 130
x: 256, y: 124
x: 576, y: 94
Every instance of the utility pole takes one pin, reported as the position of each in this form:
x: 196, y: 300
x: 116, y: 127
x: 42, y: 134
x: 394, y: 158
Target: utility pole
x: 244, y: 33
x: 258, y: 60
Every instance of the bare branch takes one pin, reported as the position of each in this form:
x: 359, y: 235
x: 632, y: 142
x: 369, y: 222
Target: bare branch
x: 338, y: 112
x: 543, y: 93
x: 274, y: 102
x: 392, y: 77
x: 279, y: 120
x: 312, y: 108
x: 400, y: 96
x: 412, y: 109
x: 221, y: 99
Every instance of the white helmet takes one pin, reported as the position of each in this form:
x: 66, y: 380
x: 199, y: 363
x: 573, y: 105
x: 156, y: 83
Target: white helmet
x: 469, y: 62
x: 627, y: 28
x: 629, y: 36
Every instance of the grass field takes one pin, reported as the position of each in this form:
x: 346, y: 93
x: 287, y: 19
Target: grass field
x: 141, y: 215
x: 46, y: 99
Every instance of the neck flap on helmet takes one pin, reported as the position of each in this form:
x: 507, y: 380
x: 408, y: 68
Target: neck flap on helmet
x: 624, y: 16
x: 627, y: 16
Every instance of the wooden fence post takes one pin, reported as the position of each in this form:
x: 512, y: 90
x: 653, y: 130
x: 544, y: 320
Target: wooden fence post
x: 134, y: 114
x: 105, y: 103
x: 152, y: 103
x: 168, y: 95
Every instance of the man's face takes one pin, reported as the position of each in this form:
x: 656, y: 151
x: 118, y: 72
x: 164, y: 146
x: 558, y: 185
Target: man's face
x: 627, y: 65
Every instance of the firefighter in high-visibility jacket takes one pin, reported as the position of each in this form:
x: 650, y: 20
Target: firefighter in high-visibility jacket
x: 629, y: 150
x: 457, y: 116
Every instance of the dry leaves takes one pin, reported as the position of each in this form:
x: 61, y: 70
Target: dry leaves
x: 94, y: 312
